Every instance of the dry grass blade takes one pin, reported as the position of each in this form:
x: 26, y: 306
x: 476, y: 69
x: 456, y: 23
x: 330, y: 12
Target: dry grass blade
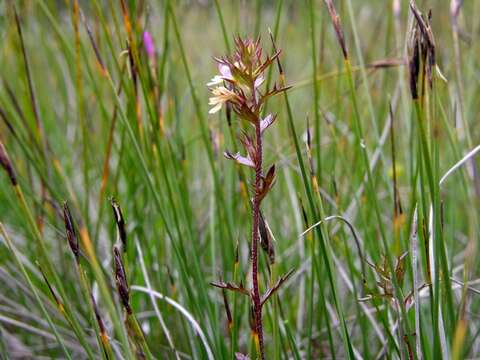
x: 6, y: 163
x: 100, y: 62
x: 58, y: 302
x: 71, y: 233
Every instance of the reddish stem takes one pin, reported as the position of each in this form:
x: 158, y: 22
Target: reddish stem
x: 257, y: 307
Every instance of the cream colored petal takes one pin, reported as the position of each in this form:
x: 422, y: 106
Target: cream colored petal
x: 216, y: 108
x: 215, y: 81
x: 214, y: 100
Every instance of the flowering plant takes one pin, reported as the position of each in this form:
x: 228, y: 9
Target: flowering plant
x: 240, y: 86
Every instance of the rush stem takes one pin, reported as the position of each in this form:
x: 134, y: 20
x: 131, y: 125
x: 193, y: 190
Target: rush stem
x: 257, y: 307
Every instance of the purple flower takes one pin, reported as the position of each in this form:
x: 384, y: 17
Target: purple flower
x: 267, y: 121
x: 148, y: 44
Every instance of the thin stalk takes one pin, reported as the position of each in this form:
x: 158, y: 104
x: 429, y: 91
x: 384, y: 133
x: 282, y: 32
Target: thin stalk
x: 222, y: 25
x: 316, y: 90
x: 254, y: 256
x: 80, y: 109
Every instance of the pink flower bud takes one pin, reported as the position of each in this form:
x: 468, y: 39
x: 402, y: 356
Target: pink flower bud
x: 148, y: 44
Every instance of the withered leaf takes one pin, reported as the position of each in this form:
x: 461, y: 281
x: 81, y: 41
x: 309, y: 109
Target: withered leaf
x: 230, y: 286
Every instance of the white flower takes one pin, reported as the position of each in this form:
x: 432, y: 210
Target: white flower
x: 221, y: 96
x: 225, y: 74
x: 216, y: 80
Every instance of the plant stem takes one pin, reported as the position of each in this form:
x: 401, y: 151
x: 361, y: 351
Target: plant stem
x: 257, y: 307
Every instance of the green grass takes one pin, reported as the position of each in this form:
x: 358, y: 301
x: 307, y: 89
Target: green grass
x: 86, y: 115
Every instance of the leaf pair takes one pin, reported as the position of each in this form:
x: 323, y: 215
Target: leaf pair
x: 242, y: 290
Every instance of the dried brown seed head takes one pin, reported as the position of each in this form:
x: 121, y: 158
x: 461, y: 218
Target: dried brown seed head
x: 121, y: 280
x: 426, y: 39
x: 337, y: 25
x: 414, y: 66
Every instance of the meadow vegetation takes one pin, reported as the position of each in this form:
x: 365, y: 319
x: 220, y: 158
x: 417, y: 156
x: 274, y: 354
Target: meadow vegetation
x: 346, y: 225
